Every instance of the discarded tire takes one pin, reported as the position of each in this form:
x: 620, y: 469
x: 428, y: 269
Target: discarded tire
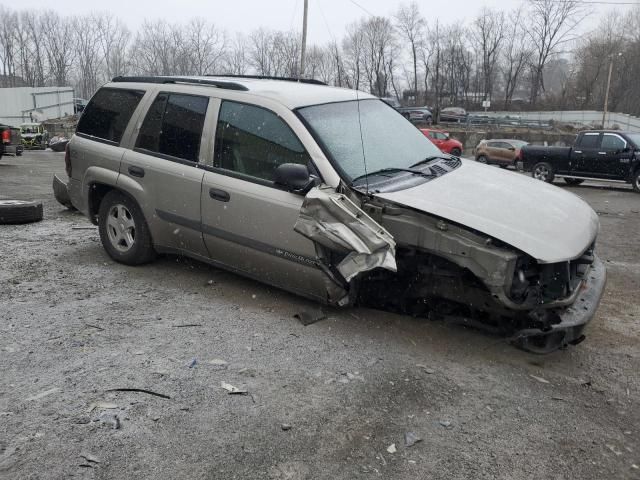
x: 19, y: 211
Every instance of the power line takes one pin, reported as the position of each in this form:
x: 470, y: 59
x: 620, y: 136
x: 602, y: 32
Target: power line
x: 362, y: 8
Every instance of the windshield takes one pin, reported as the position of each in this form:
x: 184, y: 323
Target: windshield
x: 635, y: 138
x: 388, y: 139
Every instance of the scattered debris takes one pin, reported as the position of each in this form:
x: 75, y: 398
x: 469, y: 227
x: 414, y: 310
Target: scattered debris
x: 426, y: 369
x: 285, y: 427
x: 540, y: 379
x: 307, y: 317
x: 558, y: 398
x: 249, y: 372
x: 90, y: 458
x: 187, y: 325
x: 410, y: 439
x: 102, y: 406
x: 392, y: 448
x: 140, y: 390
x: 84, y: 228
x: 445, y: 423
x: 193, y: 362
x: 218, y: 362
x: 354, y: 376
x: 93, y: 326
x: 40, y: 395
x: 233, y: 390
x: 155, y: 418
x: 110, y: 419
x: 614, y: 449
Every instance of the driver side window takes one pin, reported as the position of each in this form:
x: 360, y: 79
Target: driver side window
x: 612, y: 142
x: 253, y: 141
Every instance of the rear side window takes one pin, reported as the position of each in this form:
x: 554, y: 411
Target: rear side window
x: 254, y: 141
x: 108, y: 113
x: 612, y: 142
x: 590, y: 141
x: 173, y: 126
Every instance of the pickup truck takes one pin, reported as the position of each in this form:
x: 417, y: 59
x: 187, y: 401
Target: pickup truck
x: 608, y: 155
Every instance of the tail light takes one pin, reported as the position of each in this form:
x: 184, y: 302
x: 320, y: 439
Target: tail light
x: 6, y: 136
x: 67, y: 160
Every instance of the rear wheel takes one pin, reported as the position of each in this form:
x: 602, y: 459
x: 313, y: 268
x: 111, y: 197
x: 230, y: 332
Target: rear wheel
x: 123, y: 230
x: 543, y: 171
x: 456, y: 152
x: 481, y: 159
x: 573, y: 181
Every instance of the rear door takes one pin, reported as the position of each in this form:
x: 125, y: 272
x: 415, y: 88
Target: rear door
x: 247, y: 221
x: 162, y: 169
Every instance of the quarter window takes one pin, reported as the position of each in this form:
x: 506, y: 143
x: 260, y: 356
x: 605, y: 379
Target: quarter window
x: 173, y: 126
x: 108, y: 113
x: 254, y: 141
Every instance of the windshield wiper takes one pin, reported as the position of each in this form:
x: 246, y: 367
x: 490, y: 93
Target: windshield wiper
x: 393, y: 170
x: 429, y: 159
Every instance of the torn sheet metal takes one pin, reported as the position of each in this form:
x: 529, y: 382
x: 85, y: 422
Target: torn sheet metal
x: 334, y: 222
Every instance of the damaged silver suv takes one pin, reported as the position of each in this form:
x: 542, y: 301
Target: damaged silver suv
x: 331, y: 194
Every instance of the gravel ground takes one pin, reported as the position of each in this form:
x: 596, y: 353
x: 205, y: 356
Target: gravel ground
x: 325, y: 401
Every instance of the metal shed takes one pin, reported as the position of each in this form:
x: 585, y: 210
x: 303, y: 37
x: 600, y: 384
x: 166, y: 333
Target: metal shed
x: 26, y: 104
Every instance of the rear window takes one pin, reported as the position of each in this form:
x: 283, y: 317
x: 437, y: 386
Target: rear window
x: 108, y: 113
x: 590, y: 141
x: 173, y: 126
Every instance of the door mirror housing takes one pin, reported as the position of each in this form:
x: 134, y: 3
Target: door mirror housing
x: 294, y: 178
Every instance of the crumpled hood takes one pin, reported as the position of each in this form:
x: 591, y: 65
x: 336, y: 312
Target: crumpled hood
x: 542, y: 220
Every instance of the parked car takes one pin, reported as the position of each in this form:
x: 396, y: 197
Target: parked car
x: 330, y: 194
x: 453, y: 114
x: 34, y: 136
x: 608, y: 155
x: 10, y: 141
x: 499, y: 152
x: 417, y: 114
x: 443, y: 141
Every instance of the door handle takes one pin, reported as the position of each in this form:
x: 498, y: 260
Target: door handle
x: 577, y: 151
x: 602, y: 153
x: 136, y: 172
x: 217, y: 194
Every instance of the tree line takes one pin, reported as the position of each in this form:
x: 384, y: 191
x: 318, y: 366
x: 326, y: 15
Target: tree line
x: 527, y: 58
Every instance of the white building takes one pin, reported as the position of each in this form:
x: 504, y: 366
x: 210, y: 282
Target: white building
x: 26, y: 104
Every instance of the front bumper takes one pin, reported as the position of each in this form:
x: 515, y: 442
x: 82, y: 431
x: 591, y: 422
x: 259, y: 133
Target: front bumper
x: 573, y: 318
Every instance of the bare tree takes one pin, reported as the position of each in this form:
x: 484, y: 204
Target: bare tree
x: 236, y: 61
x: 488, y: 32
x: 410, y: 23
x: 378, y: 40
x: 114, y: 38
x: 353, y: 47
x: 551, y: 25
x: 87, y: 53
x: 58, y: 35
x: 205, y: 45
x: 515, y: 55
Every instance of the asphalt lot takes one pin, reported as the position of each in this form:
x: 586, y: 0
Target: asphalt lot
x: 74, y: 325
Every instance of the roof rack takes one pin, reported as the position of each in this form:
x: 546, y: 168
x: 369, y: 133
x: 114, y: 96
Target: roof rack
x: 190, y: 80
x: 311, y: 81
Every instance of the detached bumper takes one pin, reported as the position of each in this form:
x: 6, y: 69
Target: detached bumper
x: 573, y: 319
x: 61, y: 192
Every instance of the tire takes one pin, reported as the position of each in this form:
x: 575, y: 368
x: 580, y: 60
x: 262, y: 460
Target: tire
x: 573, y: 181
x: 18, y: 153
x: 14, y: 212
x: 635, y: 179
x: 429, y: 120
x: 482, y: 159
x: 543, y: 171
x: 456, y: 152
x: 123, y: 230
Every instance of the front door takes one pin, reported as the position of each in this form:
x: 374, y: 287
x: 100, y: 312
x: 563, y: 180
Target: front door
x: 584, y: 155
x: 615, y: 158
x: 248, y: 221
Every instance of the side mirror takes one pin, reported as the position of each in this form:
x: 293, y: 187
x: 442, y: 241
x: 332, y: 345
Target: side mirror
x: 294, y: 178
x: 512, y: 149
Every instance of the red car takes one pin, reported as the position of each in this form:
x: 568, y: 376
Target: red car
x: 443, y: 141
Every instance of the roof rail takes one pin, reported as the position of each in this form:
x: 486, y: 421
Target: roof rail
x: 191, y: 80
x: 311, y: 81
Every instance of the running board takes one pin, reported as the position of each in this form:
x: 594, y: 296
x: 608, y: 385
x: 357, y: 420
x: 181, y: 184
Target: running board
x: 591, y: 178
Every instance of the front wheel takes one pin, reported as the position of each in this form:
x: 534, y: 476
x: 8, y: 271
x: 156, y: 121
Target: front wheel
x: 573, y: 181
x: 636, y: 180
x: 123, y: 230
x: 456, y: 152
x: 481, y: 159
x: 543, y: 171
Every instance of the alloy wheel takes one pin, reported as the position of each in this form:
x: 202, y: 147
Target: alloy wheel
x: 121, y: 229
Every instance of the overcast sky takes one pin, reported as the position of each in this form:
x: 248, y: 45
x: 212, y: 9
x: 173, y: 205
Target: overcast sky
x: 327, y: 18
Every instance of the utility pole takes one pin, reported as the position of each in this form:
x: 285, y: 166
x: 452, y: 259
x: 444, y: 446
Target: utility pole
x: 304, y: 38
x: 606, y: 94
